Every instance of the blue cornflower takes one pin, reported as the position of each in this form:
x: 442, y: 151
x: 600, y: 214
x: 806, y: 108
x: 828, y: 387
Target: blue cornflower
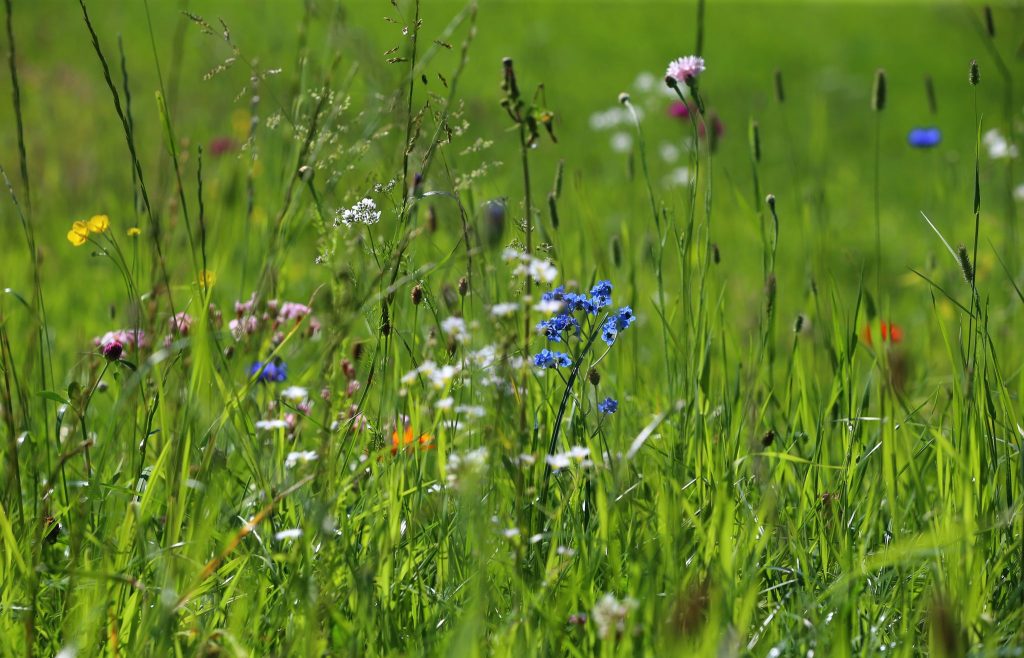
x: 601, y: 294
x: 924, y: 138
x: 549, y: 359
x: 608, y: 406
x: 270, y: 371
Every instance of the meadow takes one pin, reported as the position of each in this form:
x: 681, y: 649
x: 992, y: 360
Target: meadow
x: 421, y: 327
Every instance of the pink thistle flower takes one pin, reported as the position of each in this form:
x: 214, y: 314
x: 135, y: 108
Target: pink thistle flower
x: 679, y: 110
x: 685, y: 68
x: 292, y: 311
x: 180, y: 323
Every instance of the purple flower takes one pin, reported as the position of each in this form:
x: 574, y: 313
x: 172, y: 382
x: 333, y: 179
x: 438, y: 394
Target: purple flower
x: 608, y: 406
x: 112, y: 350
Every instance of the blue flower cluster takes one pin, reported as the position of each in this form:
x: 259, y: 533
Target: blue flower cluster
x: 272, y: 371
x: 608, y: 406
x: 565, y: 325
x: 549, y: 359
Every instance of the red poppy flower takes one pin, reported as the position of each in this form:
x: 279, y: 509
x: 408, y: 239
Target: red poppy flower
x: 891, y: 333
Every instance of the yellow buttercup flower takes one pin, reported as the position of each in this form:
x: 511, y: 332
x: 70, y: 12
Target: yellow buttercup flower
x: 78, y: 233
x: 134, y: 231
x: 207, y: 278
x: 98, y: 223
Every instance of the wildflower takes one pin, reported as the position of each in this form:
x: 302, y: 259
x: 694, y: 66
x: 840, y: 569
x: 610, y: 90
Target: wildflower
x: 295, y: 394
x: 685, y: 68
x: 891, y: 332
x: 998, y: 146
x: 269, y: 425
x: 220, y: 146
x: 510, y: 533
x: 1018, y: 192
x: 679, y: 110
x: 299, y: 457
x: 78, y: 234
x: 180, y: 323
x: 616, y: 323
x: 608, y: 406
x: 548, y: 359
x: 206, y: 278
x: 445, y: 404
x: 127, y: 338
x: 558, y: 325
x: 363, y: 212
x: 549, y: 306
x: 98, y: 223
x: 408, y: 440
x: 610, y: 614
x: 113, y: 350
x: 270, y: 371
x: 134, y: 232
x: 504, y: 310
x: 456, y: 328
x: 601, y: 294
x: 924, y: 138
x: 679, y: 177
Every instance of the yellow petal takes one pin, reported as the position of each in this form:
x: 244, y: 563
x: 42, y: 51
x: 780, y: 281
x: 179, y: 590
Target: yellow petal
x: 80, y: 228
x: 76, y: 238
x: 134, y: 231
x: 207, y: 278
x: 99, y: 223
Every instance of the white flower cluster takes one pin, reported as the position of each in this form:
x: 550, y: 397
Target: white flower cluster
x: 438, y: 376
x: 561, y: 460
x: 364, y: 212
x: 610, y: 614
x: 299, y: 457
x: 455, y: 327
x: 541, y: 271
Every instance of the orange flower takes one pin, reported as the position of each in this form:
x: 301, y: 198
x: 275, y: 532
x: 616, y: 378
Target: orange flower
x: 891, y: 332
x: 408, y: 440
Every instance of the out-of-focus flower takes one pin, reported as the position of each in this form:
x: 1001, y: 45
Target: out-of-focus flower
x: 134, y: 232
x: 299, y: 457
x: 608, y: 406
x: 271, y: 371
x: 221, y: 146
x: 610, y: 614
x: 924, y: 138
x: 890, y: 331
x: 678, y: 109
x: 998, y: 146
x: 408, y: 440
x: 113, y: 350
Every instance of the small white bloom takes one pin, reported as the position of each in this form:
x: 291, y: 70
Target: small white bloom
x: 1018, y: 192
x: 558, y: 461
x: 363, y: 212
x: 669, y: 152
x: 303, y: 456
x: 295, y: 394
x: 998, y: 146
x: 579, y: 452
x: 610, y: 614
x: 510, y: 533
x: 471, y: 411
x: 504, y: 310
x: 680, y: 176
x: 456, y: 328
x: 444, y: 404
x: 274, y: 424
